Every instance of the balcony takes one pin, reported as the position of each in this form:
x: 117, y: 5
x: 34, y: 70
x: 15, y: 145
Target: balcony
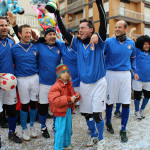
x: 147, y: 19
x: 76, y: 6
x: 73, y: 24
x: 62, y: 11
x: 147, y: 1
x: 26, y: 19
x: 128, y: 15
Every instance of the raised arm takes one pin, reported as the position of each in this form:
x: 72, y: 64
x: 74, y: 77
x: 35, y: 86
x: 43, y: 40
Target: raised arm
x: 62, y: 27
x: 103, y: 20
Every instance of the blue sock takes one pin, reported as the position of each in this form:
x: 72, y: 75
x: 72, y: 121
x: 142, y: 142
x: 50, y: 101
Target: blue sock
x: 42, y: 120
x: 33, y: 113
x: 137, y: 104
x: 100, y: 128
x: 124, y: 118
x: 118, y: 105
x: 144, y: 103
x: 91, y: 126
x: 108, y: 114
x: 23, y: 119
x: 11, y: 124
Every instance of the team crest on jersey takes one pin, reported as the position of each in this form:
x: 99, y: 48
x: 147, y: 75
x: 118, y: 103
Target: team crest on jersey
x: 10, y: 44
x: 129, y: 46
x: 108, y: 97
x: 92, y: 48
x: 58, y: 51
x: 35, y: 53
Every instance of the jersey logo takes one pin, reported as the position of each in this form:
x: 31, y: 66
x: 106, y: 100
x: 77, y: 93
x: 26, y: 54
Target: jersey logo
x: 129, y: 46
x: 58, y: 51
x: 35, y: 53
x: 92, y: 48
x: 10, y: 44
x: 108, y: 97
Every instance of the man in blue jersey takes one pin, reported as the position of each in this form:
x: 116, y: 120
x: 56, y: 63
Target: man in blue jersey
x: 25, y: 60
x: 91, y: 72
x: 49, y: 56
x: 6, y: 66
x: 120, y: 56
x: 141, y: 83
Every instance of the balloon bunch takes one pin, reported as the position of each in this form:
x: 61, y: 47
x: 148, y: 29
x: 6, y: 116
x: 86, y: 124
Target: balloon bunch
x: 46, y: 20
x: 10, y: 5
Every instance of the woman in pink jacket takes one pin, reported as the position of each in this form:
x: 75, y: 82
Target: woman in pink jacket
x: 62, y: 98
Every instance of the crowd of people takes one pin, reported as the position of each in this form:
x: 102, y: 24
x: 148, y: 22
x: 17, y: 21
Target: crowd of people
x: 101, y: 70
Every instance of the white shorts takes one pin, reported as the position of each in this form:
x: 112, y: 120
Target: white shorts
x: 93, y: 96
x: 118, y: 87
x: 7, y: 97
x: 43, y: 94
x: 139, y: 86
x: 28, y: 88
x: 77, y: 90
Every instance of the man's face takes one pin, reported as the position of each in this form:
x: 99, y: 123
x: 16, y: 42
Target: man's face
x: 120, y: 28
x: 146, y: 46
x: 50, y: 38
x: 85, y: 31
x: 25, y: 35
x: 3, y: 28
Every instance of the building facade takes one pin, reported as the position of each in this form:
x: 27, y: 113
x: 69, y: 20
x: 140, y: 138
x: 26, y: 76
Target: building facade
x: 135, y: 12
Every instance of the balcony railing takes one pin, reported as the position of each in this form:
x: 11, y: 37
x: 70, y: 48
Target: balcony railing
x: 147, y: 1
x: 73, y: 24
x: 62, y: 11
x: 76, y: 5
x: 147, y: 19
x: 26, y: 19
x: 128, y: 15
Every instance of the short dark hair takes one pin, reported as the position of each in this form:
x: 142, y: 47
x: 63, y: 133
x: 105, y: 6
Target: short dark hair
x: 1, y: 17
x: 90, y: 24
x: 23, y: 26
x: 125, y: 24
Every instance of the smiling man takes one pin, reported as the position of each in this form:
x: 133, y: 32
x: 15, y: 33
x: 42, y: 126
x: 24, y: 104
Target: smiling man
x: 25, y: 60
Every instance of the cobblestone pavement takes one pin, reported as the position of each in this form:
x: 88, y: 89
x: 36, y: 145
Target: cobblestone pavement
x: 138, y: 133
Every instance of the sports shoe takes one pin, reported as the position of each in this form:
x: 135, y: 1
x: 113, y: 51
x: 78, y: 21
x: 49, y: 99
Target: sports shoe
x: 92, y: 141
x: 69, y: 148
x: 3, y: 124
x: 33, y: 132
x: 117, y: 114
x: 45, y: 133
x: 142, y: 114
x: 101, y: 145
x: 110, y: 128
x: 13, y: 137
x: 123, y: 136
x: 25, y: 135
x: 138, y: 115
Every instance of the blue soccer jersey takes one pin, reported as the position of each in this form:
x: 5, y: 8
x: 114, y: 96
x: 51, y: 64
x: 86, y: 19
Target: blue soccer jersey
x: 25, y: 59
x: 69, y: 57
x: 119, y: 55
x: 90, y: 61
x: 6, y: 61
x: 143, y: 65
x: 48, y: 59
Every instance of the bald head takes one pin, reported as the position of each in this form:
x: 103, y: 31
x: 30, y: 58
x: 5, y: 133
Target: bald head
x: 121, y: 28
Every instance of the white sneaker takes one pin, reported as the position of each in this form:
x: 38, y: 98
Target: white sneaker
x: 25, y: 135
x: 92, y: 141
x: 138, y: 115
x: 142, y: 113
x: 101, y: 145
x: 33, y: 132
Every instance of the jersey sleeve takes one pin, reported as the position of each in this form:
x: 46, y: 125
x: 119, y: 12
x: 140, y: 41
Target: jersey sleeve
x: 60, y: 44
x: 133, y: 60
x: 74, y: 43
x: 101, y: 43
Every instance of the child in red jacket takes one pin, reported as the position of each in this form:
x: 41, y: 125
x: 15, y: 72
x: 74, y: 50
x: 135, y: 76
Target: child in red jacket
x: 62, y: 98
